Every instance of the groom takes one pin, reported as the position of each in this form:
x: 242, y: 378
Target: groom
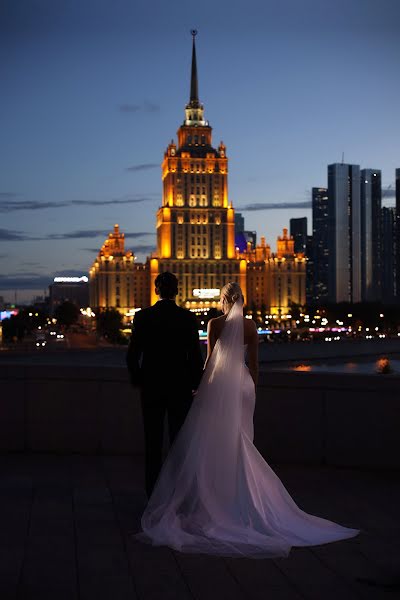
x: 165, y: 361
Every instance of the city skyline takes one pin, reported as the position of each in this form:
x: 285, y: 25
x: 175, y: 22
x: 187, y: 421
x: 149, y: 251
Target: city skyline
x: 83, y: 150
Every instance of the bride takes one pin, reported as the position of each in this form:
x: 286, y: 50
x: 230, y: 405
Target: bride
x: 216, y: 494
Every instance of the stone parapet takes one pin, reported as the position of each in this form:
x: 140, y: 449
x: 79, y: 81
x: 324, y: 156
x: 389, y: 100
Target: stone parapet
x: 308, y: 418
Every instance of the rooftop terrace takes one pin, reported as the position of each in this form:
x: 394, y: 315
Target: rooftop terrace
x: 71, y: 489
x: 66, y: 524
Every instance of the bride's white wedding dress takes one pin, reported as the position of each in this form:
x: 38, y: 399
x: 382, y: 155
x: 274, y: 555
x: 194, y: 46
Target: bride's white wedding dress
x: 216, y: 494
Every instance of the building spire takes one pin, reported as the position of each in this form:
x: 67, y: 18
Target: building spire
x: 194, y: 85
x: 194, y: 111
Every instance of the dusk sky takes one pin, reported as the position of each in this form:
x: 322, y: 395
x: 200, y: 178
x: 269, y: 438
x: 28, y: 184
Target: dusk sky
x: 92, y: 91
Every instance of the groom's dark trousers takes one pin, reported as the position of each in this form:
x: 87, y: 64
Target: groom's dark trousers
x: 164, y: 359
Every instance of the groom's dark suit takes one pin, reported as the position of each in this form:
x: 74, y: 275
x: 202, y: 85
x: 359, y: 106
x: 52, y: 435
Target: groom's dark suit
x: 164, y: 359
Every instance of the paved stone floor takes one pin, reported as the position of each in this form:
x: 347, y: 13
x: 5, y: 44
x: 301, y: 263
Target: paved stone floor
x: 65, y: 524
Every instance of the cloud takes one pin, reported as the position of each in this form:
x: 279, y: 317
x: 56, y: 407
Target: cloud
x: 26, y: 281
x: 143, y: 167
x: 116, y: 201
x: 7, y: 206
x: 11, y: 235
x: 92, y: 233
x: 274, y: 205
x: 146, y: 106
x: 34, y: 281
x: 70, y: 273
x: 134, y: 235
x: 13, y: 205
x: 143, y: 249
x: 28, y: 263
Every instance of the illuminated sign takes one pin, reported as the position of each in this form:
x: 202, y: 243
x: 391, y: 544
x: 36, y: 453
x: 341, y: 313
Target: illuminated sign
x: 6, y: 314
x: 131, y: 312
x: 71, y: 279
x: 206, y: 293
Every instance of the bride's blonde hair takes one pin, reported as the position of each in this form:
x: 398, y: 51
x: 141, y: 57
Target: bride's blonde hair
x: 229, y: 294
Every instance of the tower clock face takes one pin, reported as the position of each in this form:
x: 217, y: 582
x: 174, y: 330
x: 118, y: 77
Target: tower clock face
x: 172, y: 151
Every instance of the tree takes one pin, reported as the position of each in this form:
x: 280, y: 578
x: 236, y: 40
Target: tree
x: 24, y: 323
x: 109, y: 325
x: 67, y: 314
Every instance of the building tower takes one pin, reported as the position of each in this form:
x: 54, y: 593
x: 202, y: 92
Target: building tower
x: 196, y: 222
x: 388, y: 254
x: 298, y: 231
x: 115, y: 279
x: 320, y: 244
x: 275, y: 281
x: 344, y: 281
x: 242, y: 237
x: 371, y: 204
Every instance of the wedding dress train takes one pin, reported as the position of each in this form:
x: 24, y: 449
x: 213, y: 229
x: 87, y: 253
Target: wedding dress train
x: 216, y: 494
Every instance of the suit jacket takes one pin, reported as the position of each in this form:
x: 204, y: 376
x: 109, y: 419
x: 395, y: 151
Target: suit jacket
x: 164, y: 351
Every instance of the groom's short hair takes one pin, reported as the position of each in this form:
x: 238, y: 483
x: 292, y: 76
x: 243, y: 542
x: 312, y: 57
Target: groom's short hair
x: 166, y: 285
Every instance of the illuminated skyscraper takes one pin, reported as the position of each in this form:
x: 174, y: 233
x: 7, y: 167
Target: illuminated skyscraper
x: 196, y: 222
x: 344, y: 282
x: 388, y: 254
x: 371, y: 203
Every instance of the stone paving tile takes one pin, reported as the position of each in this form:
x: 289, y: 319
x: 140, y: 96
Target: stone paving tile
x: 66, y: 525
x: 101, y: 587
x: 11, y: 557
x: 351, y: 566
x: 15, y: 508
x: 311, y: 578
x: 261, y: 579
x: 49, y: 564
x: 8, y: 589
x: 47, y: 590
x: 208, y: 578
x: 156, y: 573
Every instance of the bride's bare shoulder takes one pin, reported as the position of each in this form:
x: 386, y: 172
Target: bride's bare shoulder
x: 215, y: 325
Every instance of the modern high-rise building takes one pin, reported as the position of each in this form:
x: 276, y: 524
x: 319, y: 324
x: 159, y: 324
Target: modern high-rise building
x: 298, y: 231
x: 397, y: 229
x: 320, y: 244
x: 388, y: 254
x: 243, y: 237
x: 310, y: 271
x: 371, y: 204
x: 344, y: 234
x: 196, y: 222
x: 239, y: 222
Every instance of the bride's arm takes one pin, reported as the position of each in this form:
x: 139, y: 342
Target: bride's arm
x: 252, y: 354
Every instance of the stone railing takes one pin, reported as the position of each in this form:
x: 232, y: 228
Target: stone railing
x: 343, y: 420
